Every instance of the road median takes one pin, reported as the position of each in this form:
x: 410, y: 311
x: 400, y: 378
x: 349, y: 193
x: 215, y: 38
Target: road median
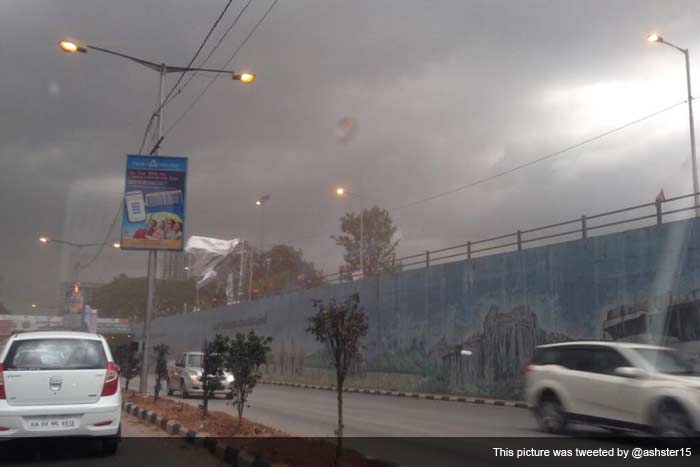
x: 248, y: 445
x: 415, y: 395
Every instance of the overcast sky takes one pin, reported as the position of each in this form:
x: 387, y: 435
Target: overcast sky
x: 443, y: 93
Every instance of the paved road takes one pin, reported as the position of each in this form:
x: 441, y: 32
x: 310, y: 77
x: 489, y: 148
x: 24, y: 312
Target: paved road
x: 416, y: 432
x: 312, y: 412
x: 142, y: 446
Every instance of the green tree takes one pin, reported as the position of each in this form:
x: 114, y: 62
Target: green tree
x: 379, y: 243
x: 283, y: 268
x: 161, y: 354
x: 125, y: 297
x: 213, y: 360
x: 246, y: 353
x: 340, y: 326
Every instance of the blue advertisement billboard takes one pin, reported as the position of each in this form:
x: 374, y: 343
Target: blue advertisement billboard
x: 154, y: 203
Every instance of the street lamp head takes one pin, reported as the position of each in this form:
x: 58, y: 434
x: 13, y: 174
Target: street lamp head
x: 258, y: 203
x: 187, y: 268
x: 653, y: 37
x: 117, y: 245
x: 340, y: 191
x: 44, y: 239
x: 245, y: 78
x: 71, y: 47
x: 33, y: 305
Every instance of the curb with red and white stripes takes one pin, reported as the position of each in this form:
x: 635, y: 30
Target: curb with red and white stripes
x: 414, y: 395
x: 225, y: 453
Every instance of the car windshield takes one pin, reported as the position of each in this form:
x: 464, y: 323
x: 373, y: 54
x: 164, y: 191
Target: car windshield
x: 194, y: 361
x: 56, y: 354
x: 667, y: 361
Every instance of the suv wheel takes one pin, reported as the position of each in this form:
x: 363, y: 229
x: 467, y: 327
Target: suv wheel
x: 671, y: 421
x: 550, y: 414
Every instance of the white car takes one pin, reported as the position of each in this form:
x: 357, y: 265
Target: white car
x: 60, y: 384
x: 615, y: 385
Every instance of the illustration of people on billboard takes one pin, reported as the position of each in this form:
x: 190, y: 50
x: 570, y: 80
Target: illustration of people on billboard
x: 154, y: 203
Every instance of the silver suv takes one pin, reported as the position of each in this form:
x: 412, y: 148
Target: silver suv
x: 614, y: 385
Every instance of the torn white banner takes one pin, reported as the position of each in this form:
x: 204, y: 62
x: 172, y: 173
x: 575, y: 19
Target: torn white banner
x: 205, y: 254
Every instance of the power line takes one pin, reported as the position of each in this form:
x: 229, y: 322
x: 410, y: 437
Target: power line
x: 182, y: 75
x: 211, y: 52
x: 534, y: 161
x: 211, y: 82
x: 104, y: 242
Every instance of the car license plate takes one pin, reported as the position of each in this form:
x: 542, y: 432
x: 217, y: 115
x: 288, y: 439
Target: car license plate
x: 52, y: 423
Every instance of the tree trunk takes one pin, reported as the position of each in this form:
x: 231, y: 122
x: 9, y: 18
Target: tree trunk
x: 240, y: 407
x: 339, y: 432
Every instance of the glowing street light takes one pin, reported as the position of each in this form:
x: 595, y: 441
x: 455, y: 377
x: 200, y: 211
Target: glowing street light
x: 116, y: 245
x: 44, y: 239
x: 33, y: 305
x: 653, y: 37
x: 245, y: 78
x: 71, y: 47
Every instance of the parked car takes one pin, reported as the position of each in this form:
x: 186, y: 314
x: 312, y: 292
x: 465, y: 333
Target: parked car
x: 60, y: 384
x: 615, y: 385
x: 185, y: 376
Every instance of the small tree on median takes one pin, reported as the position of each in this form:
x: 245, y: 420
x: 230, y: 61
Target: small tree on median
x: 245, y: 356
x: 340, y: 326
x: 129, y: 362
x: 213, y: 355
x: 161, y: 353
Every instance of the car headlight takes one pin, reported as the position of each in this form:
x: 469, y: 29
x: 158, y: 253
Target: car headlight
x: 194, y: 376
x: 229, y: 378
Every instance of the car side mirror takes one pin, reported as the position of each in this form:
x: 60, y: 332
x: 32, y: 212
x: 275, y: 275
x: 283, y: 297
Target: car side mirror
x: 630, y: 372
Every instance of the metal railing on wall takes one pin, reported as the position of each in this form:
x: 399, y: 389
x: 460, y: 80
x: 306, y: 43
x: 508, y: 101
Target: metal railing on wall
x: 579, y: 228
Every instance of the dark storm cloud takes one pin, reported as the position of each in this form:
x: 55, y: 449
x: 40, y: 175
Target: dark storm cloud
x: 443, y: 93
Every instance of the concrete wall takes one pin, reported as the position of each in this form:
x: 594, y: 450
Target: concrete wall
x: 499, y: 307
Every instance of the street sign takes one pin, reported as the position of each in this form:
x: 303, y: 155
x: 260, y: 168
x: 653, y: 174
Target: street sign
x: 90, y: 319
x: 154, y: 203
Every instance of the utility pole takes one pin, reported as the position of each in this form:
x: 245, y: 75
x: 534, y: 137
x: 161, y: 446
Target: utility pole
x: 152, y: 254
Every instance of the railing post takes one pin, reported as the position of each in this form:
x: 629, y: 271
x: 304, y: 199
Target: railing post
x: 520, y: 240
x: 427, y: 259
x: 469, y: 250
x: 584, y: 231
x: 659, y: 213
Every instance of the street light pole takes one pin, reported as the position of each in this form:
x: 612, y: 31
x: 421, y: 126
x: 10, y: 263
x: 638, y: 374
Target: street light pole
x: 691, y: 123
x: 152, y: 254
x: 692, y: 132
x: 73, y: 47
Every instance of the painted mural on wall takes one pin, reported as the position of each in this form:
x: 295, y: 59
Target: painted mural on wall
x: 495, y: 358
x: 497, y: 307
x: 673, y: 320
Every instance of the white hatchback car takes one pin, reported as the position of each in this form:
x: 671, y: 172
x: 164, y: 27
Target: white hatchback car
x: 614, y: 385
x: 60, y: 384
